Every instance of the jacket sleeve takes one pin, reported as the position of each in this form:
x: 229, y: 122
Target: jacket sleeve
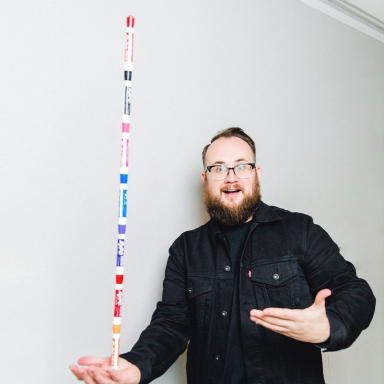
x: 351, y: 306
x: 161, y: 343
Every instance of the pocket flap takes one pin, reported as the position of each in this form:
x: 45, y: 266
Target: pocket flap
x: 274, y: 273
x: 198, y: 286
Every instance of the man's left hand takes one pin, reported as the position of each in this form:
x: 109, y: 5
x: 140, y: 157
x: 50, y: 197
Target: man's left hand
x: 310, y: 324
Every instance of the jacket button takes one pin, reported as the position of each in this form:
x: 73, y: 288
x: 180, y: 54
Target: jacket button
x: 190, y: 290
x: 224, y: 313
x: 227, y: 268
x: 217, y: 357
x: 276, y: 276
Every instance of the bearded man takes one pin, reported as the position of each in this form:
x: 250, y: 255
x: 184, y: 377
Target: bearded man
x: 256, y: 292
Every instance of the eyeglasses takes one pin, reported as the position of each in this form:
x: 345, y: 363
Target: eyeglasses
x: 220, y: 172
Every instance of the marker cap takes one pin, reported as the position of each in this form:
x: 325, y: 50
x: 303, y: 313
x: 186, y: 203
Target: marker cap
x: 130, y: 21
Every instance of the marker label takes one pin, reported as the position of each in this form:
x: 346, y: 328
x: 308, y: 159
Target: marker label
x: 120, y: 252
x: 133, y: 35
x: 126, y: 47
x: 127, y: 101
x: 122, y: 152
x: 115, y: 352
x: 124, y: 213
x: 118, y: 303
x: 127, y: 153
x: 123, y: 203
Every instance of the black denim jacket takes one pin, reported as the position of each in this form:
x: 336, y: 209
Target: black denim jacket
x: 287, y: 259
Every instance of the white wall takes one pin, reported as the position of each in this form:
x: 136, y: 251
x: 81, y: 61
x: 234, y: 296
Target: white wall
x: 309, y: 89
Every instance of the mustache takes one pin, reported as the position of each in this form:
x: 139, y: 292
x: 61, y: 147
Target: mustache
x: 232, y: 187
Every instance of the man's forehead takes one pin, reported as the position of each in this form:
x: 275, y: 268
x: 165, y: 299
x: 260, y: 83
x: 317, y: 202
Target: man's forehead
x: 229, y: 149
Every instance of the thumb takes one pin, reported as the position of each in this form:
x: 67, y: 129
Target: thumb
x: 321, y: 296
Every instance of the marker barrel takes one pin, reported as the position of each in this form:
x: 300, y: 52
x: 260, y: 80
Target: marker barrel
x: 122, y: 216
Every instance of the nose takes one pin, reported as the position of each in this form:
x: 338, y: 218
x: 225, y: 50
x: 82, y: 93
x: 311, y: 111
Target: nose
x: 231, y: 177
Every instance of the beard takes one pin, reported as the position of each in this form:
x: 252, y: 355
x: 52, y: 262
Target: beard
x: 236, y: 214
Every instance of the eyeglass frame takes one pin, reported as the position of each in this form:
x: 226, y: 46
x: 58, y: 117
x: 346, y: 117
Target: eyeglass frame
x: 209, y: 167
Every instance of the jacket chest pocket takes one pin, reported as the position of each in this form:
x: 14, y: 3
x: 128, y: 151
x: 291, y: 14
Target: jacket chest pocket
x: 199, y: 292
x: 276, y: 284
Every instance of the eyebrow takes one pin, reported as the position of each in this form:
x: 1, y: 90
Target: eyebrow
x: 236, y: 161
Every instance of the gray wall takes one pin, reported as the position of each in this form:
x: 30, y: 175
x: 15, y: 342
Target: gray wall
x: 308, y: 88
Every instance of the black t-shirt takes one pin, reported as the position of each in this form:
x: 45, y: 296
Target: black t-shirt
x: 234, y: 371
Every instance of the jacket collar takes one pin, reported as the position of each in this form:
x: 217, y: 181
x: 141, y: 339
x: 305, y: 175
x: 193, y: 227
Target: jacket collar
x: 264, y: 214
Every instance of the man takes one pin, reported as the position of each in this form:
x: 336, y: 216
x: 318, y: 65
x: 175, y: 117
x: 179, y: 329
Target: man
x: 257, y: 291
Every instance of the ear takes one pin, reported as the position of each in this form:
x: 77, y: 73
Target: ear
x: 258, y: 171
x: 203, y: 177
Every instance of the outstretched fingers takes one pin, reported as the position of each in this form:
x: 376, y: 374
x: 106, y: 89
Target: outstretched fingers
x: 117, y: 376
x: 81, y: 374
x: 279, y: 316
x: 91, y: 360
x: 100, y: 376
x: 94, y: 371
x: 279, y: 327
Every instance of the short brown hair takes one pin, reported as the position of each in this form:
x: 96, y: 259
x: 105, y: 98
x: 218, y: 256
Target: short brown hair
x: 232, y: 132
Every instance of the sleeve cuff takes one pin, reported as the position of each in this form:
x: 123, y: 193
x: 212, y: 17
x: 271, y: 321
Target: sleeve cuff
x: 143, y: 364
x: 338, y: 333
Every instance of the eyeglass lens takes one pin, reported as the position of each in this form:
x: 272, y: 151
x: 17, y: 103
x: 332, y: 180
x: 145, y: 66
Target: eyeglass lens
x: 242, y: 171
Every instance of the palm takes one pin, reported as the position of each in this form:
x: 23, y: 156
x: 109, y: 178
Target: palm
x: 310, y: 324
x: 100, y: 372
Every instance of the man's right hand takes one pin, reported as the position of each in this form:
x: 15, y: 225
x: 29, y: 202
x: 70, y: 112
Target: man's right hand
x: 100, y: 372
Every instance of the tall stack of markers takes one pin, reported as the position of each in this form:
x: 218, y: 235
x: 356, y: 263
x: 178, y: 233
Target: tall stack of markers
x: 122, y: 220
